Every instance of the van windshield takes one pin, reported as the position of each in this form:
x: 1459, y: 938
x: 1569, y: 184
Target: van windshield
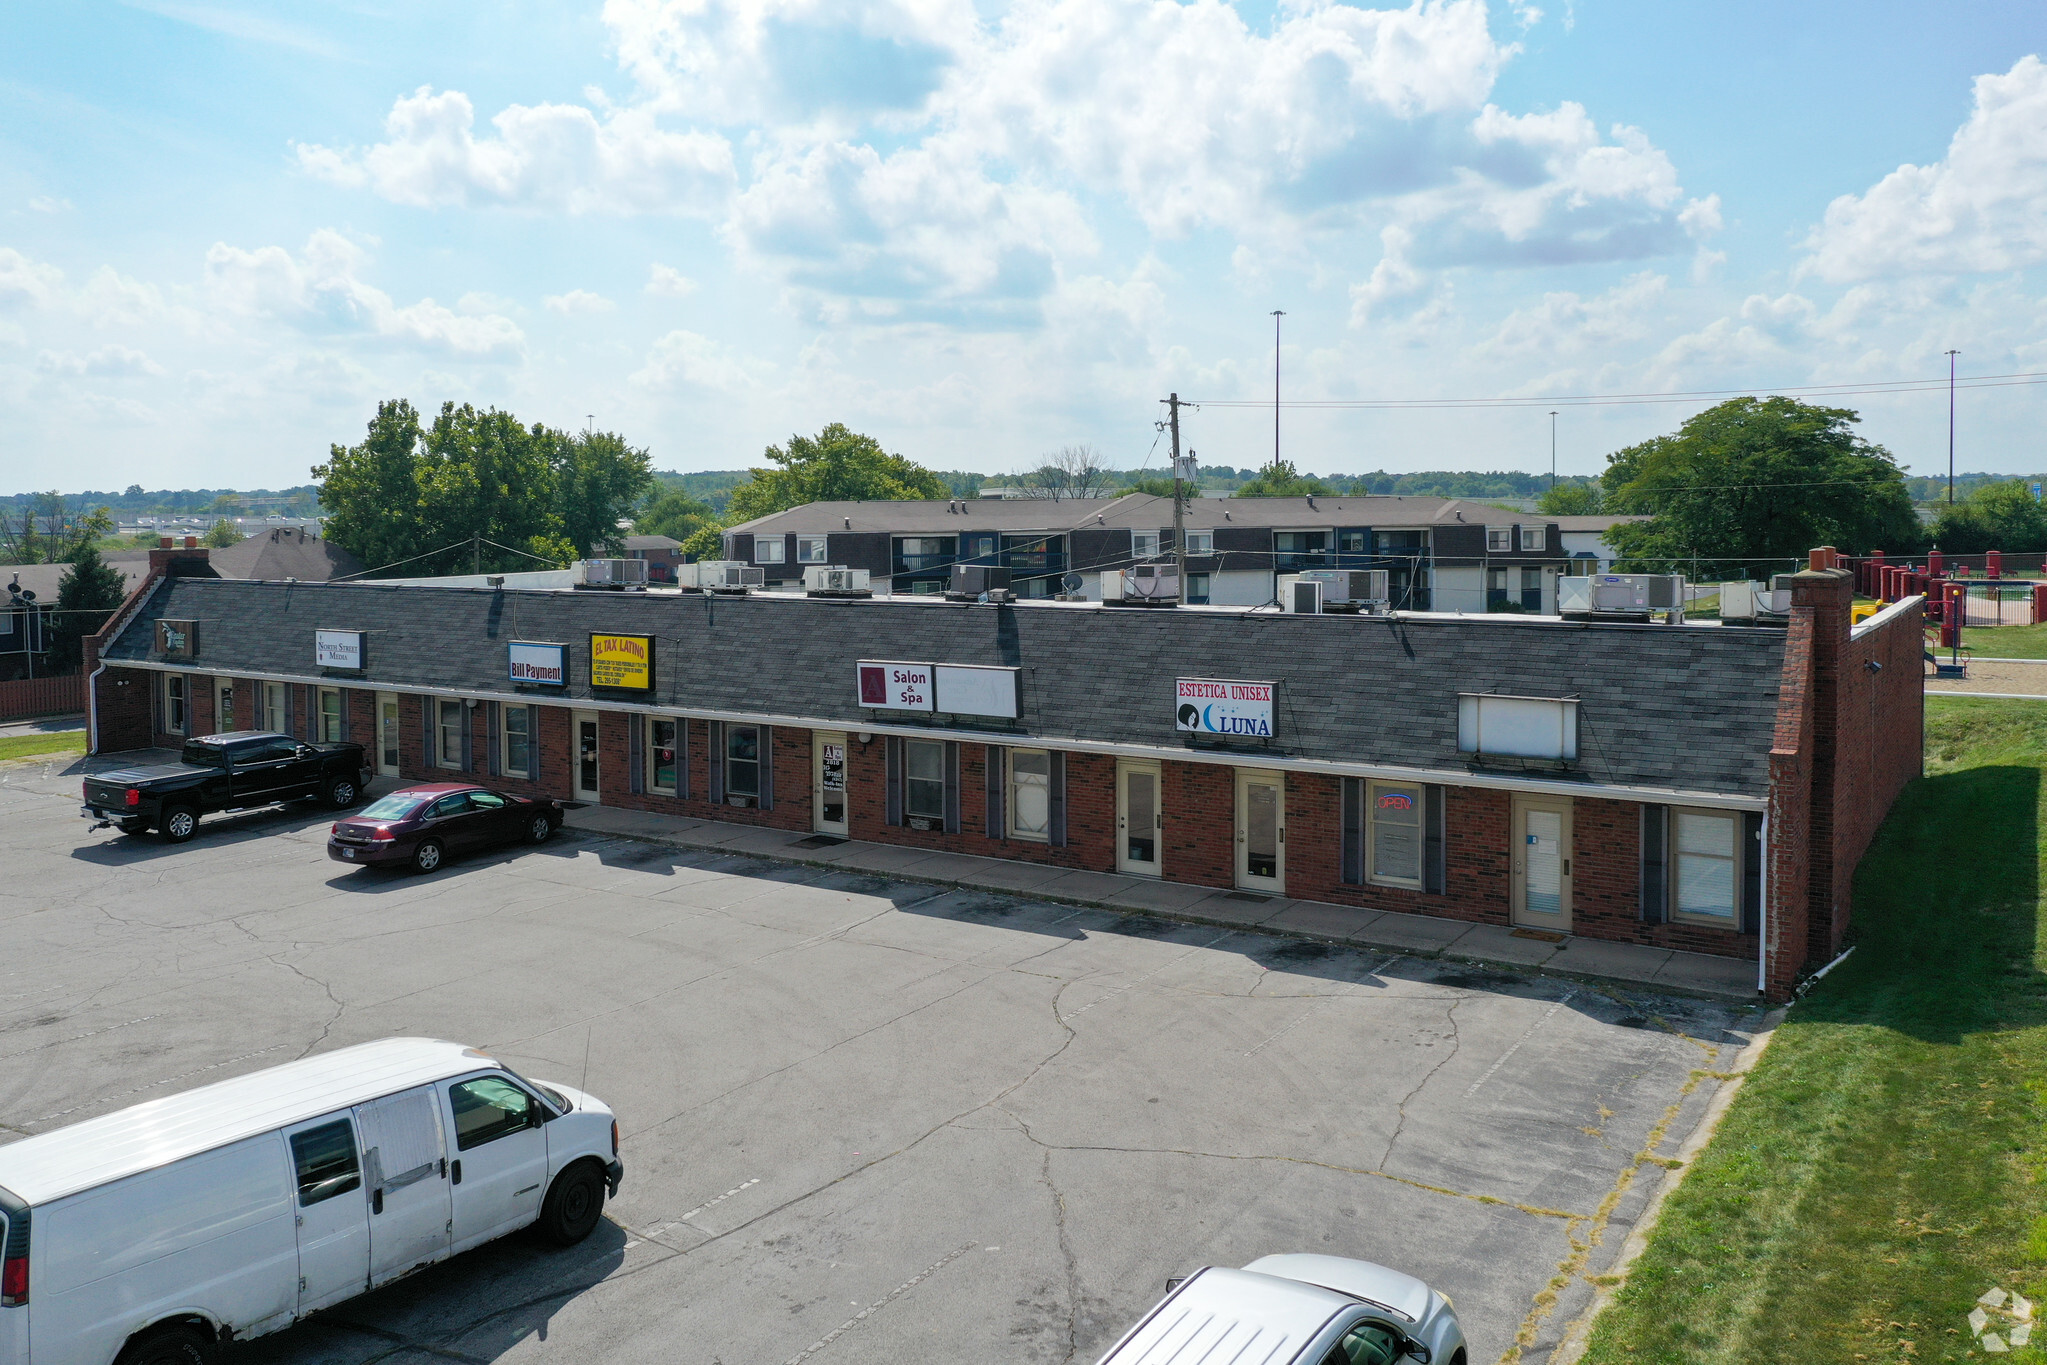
x: 553, y: 1096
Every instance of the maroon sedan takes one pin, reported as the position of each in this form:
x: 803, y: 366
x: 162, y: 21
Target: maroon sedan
x: 427, y: 825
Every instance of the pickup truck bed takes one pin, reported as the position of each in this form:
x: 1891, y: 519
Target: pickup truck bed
x: 236, y: 771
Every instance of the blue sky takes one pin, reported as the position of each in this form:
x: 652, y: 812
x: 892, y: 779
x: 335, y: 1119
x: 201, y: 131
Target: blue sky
x: 984, y: 231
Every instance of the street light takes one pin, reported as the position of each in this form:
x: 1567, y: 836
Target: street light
x: 1951, y: 426
x: 1553, y: 449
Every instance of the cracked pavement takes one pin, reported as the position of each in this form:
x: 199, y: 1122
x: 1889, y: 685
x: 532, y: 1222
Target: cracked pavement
x: 863, y: 1120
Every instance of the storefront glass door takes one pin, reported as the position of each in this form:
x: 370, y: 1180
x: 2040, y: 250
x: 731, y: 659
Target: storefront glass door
x: 1542, y: 863
x: 387, y: 734
x: 587, y: 787
x: 1261, y: 831
x: 1139, y: 821
x: 828, y: 799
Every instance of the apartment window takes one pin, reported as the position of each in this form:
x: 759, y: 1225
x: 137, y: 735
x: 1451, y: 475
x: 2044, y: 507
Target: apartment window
x: 661, y: 755
x: 812, y: 550
x: 1409, y: 543
x: 330, y: 715
x: 1030, y: 794
x: 924, y: 779
x: 518, y: 733
x: 1351, y: 542
x: 1144, y: 544
x: 174, y: 716
x: 926, y: 586
x: 769, y: 549
x: 1495, y: 589
x: 1706, y: 851
x: 448, y: 733
x: 1531, y: 590
x: 1499, y: 540
x: 1201, y: 542
x: 743, y: 761
x: 1394, y: 813
x: 276, y: 715
x: 1197, y: 589
x: 1535, y: 539
x: 976, y: 546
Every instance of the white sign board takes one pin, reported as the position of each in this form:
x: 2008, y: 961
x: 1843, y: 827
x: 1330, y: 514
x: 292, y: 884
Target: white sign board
x: 337, y: 648
x: 896, y: 687
x: 1214, y: 706
x: 546, y: 664
x: 967, y: 690
x: 1517, y: 727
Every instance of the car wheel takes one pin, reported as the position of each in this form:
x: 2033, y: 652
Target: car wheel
x: 168, y: 1346
x: 426, y: 857
x: 180, y: 823
x: 341, y: 793
x: 573, y: 1205
x: 540, y: 831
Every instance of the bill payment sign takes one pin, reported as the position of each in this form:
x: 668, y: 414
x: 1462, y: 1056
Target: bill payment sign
x: 337, y: 648
x: 545, y: 664
x: 1207, y: 706
x: 897, y: 687
x: 622, y: 661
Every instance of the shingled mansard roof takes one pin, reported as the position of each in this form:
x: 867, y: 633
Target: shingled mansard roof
x: 1686, y: 708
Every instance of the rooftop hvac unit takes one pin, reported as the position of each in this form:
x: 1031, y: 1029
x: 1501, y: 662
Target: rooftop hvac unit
x: 612, y: 573
x: 1631, y: 595
x: 720, y: 575
x: 1350, y: 589
x: 1752, y: 604
x: 1302, y: 597
x: 970, y: 581
x: 838, y: 581
x: 1149, y: 585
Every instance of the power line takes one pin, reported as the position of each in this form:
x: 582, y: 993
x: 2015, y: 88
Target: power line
x: 1903, y: 386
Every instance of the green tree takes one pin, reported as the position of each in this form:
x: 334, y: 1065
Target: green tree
x: 1755, y: 479
x: 222, y: 534
x: 836, y: 465
x: 1281, y: 480
x: 86, y: 595
x: 45, y: 529
x: 372, y: 489
x: 228, y: 505
x: 1995, y: 516
x: 706, y: 542
x: 598, y: 480
x: 1157, y: 485
x: 676, y: 515
x: 1569, y: 500
x: 487, y: 493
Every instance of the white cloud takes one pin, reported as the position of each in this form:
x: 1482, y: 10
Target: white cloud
x: 25, y: 283
x: 688, y: 360
x: 106, y: 362
x: 1567, y: 323
x: 577, y: 301
x: 319, y: 290
x: 666, y: 282
x: 559, y: 157
x: 1983, y: 207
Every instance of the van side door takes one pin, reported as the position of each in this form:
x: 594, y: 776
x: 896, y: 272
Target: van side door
x: 405, y: 1170
x: 500, y: 1164
x: 333, y: 1211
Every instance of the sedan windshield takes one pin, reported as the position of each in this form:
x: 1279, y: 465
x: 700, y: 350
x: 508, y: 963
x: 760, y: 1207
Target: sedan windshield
x: 396, y: 806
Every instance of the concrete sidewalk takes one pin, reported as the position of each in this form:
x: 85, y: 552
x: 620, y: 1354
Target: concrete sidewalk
x: 1719, y: 978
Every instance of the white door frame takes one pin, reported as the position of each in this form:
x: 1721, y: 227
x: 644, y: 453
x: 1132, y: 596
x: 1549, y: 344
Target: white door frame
x: 223, y: 716
x: 1125, y: 863
x: 1561, y: 805
x: 394, y: 731
x: 1247, y: 778
x: 595, y: 796
x: 819, y: 741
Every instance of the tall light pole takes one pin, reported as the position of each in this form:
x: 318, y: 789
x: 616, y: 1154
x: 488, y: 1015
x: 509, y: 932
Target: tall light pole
x: 1553, y: 449
x: 1951, y: 426
x: 1277, y: 314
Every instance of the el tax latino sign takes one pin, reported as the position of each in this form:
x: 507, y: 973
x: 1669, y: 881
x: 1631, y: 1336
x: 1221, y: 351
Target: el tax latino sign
x: 1212, y: 706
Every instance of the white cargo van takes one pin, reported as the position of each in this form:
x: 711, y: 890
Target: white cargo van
x: 148, y: 1235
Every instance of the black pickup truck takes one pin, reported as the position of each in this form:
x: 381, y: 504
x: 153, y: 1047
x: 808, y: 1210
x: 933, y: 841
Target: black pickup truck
x: 224, y: 772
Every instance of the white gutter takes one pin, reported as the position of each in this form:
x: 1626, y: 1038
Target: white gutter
x: 1459, y: 777
x: 92, y: 710
x: 1763, y: 914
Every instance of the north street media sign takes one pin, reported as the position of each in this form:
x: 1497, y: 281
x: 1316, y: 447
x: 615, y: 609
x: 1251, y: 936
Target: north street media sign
x: 1215, y: 706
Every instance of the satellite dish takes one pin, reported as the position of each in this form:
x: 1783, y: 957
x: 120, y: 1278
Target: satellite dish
x: 28, y: 594
x: 1073, y: 583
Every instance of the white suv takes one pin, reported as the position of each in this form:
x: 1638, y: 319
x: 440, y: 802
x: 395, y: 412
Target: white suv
x: 1296, y: 1310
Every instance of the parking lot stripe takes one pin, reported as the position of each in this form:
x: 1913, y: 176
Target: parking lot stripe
x: 1519, y: 1041
x: 886, y: 1299
x: 89, y: 1033
x: 1146, y: 977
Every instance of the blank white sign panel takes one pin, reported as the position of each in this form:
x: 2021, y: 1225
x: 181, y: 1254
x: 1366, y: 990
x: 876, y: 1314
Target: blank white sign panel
x: 1517, y: 727
x: 968, y: 691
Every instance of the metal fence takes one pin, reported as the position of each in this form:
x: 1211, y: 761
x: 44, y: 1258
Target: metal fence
x: 1990, y: 604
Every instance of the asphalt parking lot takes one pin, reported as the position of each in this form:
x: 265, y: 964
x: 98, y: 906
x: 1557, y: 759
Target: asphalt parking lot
x: 862, y: 1120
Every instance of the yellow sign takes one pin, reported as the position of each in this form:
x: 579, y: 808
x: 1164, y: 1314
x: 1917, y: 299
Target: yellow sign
x: 622, y: 661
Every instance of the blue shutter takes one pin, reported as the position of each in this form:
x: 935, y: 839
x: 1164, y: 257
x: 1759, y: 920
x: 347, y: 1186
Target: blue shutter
x: 1655, y: 864
x: 494, y: 740
x: 1057, y: 832
x: 996, y: 777
x: 766, y: 750
x: 952, y: 787
x: 1435, y: 842
x: 636, y: 754
x: 717, y: 762
x: 1354, y: 831
x: 893, y: 746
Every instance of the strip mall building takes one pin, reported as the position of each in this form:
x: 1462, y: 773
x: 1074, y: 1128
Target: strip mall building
x: 1692, y: 786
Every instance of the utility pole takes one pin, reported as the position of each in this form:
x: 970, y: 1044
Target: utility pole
x: 1951, y: 426
x: 1179, y: 503
x: 1553, y: 450
x: 1277, y: 314
x: 475, y: 554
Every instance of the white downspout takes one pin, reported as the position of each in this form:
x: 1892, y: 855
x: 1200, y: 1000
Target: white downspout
x: 1763, y: 914
x: 92, y: 711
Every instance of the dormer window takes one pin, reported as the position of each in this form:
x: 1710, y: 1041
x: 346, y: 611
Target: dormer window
x: 1499, y: 540
x: 1534, y: 539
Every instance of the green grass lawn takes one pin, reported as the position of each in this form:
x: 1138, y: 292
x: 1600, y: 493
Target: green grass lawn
x: 2007, y: 642
x: 1882, y: 1166
x: 28, y: 746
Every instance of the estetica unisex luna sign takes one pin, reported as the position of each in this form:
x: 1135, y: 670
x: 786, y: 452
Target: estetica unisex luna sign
x: 1211, y: 706
x: 544, y: 664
